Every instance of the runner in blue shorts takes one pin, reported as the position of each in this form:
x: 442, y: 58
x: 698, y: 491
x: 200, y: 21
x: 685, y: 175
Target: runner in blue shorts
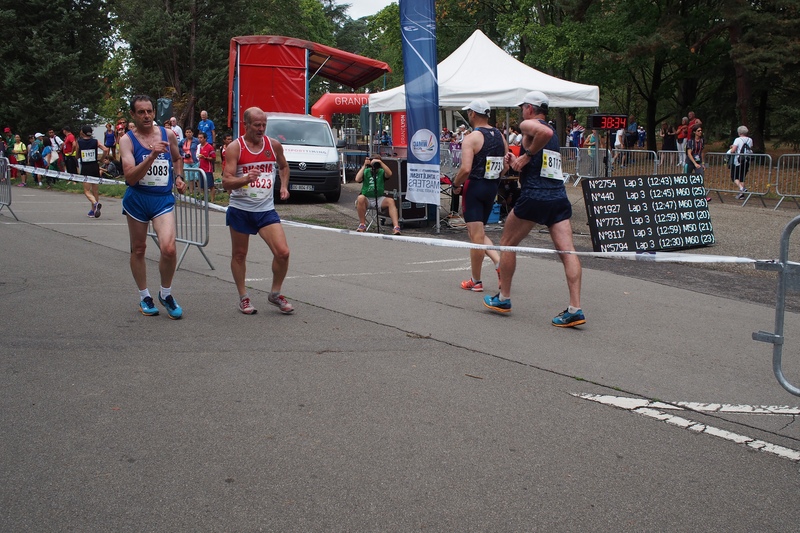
x: 149, y: 157
x: 543, y: 201
x: 482, y: 164
x: 252, y: 163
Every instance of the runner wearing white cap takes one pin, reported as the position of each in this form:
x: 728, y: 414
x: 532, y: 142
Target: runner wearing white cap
x: 482, y: 164
x: 543, y: 201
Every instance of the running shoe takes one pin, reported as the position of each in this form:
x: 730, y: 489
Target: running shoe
x: 173, y: 309
x: 396, y: 230
x: 361, y: 228
x: 281, y: 302
x: 246, y: 307
x: 90, y: 214
x: 469, y: 285
x: 494, y: 303
x: 97, y: 207
x: 568, y: 320
x: 148, y: 307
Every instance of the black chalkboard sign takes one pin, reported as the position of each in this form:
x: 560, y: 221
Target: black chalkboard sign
x: 647, y: 213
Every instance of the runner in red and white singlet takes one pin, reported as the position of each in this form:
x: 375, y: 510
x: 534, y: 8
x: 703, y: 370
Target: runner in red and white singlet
x: 249, y: 174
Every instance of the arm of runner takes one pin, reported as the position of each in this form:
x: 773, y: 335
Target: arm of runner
x: 283, y: 168
x: 467, y: 154
x: 133, y: 172
x: 177, y: 161
x: 535, y: 136
x: 229, y: 179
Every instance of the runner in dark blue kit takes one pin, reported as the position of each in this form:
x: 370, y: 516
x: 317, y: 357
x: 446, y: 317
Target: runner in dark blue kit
x: 543, y: 201
x: 482, y: 163
x: 152, y: 165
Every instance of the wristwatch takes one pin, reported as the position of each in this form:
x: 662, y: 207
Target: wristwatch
x: 528, y: 153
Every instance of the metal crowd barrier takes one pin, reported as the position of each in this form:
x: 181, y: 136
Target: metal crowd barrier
x: 191, y: 217
x: 569, y: 163
x: 717, y: 176
x: 788, y: 280
x: 633, y: 163
x: 669, y: 162
x: 5, y: 186
x: 787, y: 180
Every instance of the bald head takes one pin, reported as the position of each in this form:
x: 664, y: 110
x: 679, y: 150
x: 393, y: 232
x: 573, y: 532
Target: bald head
x: 252, y: 113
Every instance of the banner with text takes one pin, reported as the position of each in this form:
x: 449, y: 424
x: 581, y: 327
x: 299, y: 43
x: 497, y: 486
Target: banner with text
x: 418, y: 31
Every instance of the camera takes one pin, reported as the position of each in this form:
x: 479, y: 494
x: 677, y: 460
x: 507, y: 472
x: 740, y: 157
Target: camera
x: 376, y: 165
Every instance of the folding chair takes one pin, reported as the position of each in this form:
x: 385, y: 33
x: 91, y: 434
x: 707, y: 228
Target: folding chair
x: 373, y: 215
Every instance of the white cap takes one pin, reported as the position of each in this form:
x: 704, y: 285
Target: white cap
x: 479, y: 105
x: 38, y: 135
x: 536, y: 98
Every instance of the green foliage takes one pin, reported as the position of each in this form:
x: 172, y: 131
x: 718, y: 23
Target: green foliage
x: 50, y: 55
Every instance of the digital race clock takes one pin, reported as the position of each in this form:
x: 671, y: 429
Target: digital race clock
x: 605, y: 121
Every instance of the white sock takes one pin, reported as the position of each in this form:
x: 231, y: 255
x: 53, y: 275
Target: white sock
x: 243, y: 296
x: 573, y: 310
x: 165, y: 292
x: 502, y: 297
x: 144, y: 294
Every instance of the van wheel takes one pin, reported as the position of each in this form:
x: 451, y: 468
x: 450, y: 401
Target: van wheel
x: 333, y: 197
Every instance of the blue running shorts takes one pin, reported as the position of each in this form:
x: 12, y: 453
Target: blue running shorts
x: 479, y: 196
x: 145, y: 207
x: 249, y: 222
x: 544, y: 212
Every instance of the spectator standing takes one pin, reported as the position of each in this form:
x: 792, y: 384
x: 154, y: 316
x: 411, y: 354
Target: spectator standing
x: 694, y: 152
x: 70, y: 150
x: 207, y: 155
x: 669, y: 143
x: 590, y: 144
x: 682, y: 136
x: 206, y: 126
x: 89, y: 155
x: 173, y: 124
x: 631, y: 135
x: 189, y: 153
x: 8, y: 140
x: 693, y: 121
x: 740, y: 163
x: 35, y: 155
x: 56, y: 147
x: 110, y: 140
x: 20, y: 150
x: 641, y: 134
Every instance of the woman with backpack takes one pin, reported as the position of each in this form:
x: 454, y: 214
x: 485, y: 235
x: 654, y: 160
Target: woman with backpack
x: 35, y: 155
x: 740, y: 164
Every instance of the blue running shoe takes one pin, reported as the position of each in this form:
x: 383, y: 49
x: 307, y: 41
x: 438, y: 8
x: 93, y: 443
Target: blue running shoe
x: 494, y: 303
x: 569, y: 320
x: 148, y: 307
x: 173, y: 309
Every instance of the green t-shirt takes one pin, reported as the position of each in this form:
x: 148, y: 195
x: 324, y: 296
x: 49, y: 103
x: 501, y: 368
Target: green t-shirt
x: 368, y: 185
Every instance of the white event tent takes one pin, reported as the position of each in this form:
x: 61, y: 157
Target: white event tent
x: 481, y: 69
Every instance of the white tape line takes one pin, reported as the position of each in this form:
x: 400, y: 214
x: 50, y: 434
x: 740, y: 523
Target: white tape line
x: 657, y: 257
x: 665, y: 257
x: 67, y: 176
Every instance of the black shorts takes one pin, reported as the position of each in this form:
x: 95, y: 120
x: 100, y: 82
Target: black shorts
x: 479, y: 196
x: 544, y: 212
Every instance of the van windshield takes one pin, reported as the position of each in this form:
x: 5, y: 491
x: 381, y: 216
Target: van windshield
x: 300, y: 132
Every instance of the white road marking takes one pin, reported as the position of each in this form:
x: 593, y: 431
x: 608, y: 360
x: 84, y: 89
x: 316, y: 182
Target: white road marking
x: 656, y: 410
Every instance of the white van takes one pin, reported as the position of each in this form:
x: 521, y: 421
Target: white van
x: 311, y: 151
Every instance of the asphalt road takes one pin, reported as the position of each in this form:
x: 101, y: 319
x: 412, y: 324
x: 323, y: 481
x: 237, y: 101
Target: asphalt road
x: 391, y: 400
